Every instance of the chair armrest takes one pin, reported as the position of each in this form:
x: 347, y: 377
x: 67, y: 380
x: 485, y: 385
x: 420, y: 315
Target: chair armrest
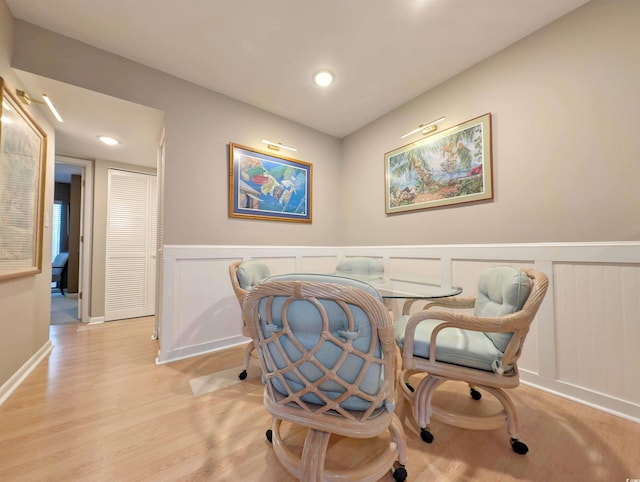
x: 449, y: 302
x: 503, y: 324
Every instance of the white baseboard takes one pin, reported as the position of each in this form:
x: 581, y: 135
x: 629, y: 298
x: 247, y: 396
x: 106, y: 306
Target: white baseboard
x: 95, y: 320
x: 201, y: 349
x: 590, y: 398
x: 23, y: 372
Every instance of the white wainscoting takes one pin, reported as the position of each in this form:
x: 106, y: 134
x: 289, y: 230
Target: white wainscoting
x: 583, y: 345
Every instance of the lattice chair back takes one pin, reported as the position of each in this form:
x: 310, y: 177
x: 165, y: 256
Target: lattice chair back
x: 320, y: 344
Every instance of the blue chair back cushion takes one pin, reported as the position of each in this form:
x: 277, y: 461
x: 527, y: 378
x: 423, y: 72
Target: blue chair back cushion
x: 306, y: 324
x: 250, y: 273
x: 502, y: 290
x: 360, y: 265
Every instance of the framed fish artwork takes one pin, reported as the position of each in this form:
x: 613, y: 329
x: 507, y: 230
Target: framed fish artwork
x: 263, y: 185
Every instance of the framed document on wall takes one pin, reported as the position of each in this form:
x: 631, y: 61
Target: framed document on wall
x: 23, y: 146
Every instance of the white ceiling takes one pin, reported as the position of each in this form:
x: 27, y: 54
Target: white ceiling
x: 87, y: 115
x: 264, y: 52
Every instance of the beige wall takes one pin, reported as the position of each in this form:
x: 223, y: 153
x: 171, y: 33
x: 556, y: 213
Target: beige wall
x: 199, y: 126
x: 24, y: 302
x: 566, y: 109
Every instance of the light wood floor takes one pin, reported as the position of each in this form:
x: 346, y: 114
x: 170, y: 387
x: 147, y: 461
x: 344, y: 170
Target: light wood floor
x: 99, y: 409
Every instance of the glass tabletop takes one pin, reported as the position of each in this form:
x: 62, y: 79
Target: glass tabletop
x: 405, y: 286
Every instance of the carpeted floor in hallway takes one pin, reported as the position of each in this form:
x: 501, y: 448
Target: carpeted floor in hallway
x: 64, y: 309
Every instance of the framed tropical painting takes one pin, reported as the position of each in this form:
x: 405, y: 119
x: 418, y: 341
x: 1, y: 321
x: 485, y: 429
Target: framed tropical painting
x: 268, y: 186
x: 450, y: 167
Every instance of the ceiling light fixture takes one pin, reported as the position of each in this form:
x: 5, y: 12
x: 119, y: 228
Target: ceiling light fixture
x: 110, y: 141
x: 52, y: 108
x: 277, y: 145
x: 26, y: 99
x: 425, y: 128
x: 323, y: 78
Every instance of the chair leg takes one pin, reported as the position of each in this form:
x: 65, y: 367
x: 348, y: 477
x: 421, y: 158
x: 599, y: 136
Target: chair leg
x: 397, y: 436
x: 247, y: 359
x: 511, y: 415
x: 424, y: 395
x: 311, y: 465
x: 314, y: 454
x: 424, y: 411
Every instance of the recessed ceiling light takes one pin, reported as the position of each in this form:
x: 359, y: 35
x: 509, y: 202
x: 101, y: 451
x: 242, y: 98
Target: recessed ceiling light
x: 323, y: 78
x: 110, y: 141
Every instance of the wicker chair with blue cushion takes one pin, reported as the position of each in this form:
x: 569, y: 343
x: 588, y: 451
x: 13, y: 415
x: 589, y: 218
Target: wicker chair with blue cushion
x: 327, y: 352
x: 245, y: 275
x: 481, y: 349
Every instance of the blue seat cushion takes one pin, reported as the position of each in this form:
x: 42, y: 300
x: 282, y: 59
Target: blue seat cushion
x: 306, y: 324
x: 251, y: 272
x: 466, y: 348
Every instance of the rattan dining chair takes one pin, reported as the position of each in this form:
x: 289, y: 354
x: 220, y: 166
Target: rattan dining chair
x: 245, y: 275
x: 326, y: 348
x: 480, y: 349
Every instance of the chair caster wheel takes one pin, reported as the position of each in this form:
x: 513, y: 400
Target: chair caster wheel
x: 400, y: 474
x: 426, y: 436
x: 410, y: 387
x: 475, y: 394
x: 269, y: 435
x: 243, y: 375
x: 519, y: 447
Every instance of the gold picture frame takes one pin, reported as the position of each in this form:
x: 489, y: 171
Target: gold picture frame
x: 267, y: 186
x: 451, y: 167
x: 23, y: 147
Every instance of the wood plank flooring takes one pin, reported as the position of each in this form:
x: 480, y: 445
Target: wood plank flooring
x: 99, y: 409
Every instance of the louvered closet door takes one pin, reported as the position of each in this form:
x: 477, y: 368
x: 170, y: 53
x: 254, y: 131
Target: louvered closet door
x: 130, y: 263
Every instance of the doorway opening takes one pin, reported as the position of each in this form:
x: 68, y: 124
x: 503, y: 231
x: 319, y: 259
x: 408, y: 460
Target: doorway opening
x: 71, y: 240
